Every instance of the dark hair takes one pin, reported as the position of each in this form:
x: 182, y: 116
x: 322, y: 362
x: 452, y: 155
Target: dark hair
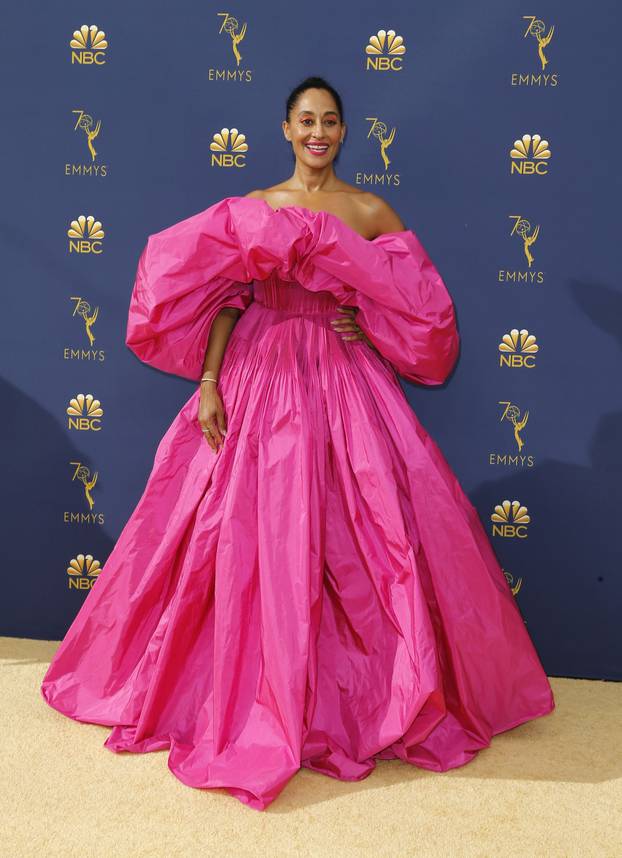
x: 312, y: 83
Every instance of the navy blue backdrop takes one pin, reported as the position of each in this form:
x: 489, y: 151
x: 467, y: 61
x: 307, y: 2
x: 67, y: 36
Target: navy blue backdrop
x: 500, y: 136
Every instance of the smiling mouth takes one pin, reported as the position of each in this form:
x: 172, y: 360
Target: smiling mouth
x: 317, y: 148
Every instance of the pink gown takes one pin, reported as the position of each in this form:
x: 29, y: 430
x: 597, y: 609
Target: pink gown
x: 321, y: 592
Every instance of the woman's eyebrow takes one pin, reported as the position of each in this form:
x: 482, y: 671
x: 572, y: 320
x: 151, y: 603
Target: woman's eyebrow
x: 312, y: 112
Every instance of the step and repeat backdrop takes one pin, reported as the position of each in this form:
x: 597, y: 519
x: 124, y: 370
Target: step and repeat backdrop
x: 493, y: 133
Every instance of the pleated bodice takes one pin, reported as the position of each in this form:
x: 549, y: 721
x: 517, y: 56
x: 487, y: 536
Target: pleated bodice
x: 291, y: 298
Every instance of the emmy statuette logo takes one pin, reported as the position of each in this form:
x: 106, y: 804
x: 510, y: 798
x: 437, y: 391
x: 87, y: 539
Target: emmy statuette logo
x: 83, y: 475
x: 511, y: 416
x: 89, y: 131
x: 540, y: 38
x: 537, y: 30
x: 514, y: 585
x: 87, y: 315
x: 522, y: 229
x: 379, y: 132
x: 235, y: 34
x: 230, y: 26
x: 525, y: 236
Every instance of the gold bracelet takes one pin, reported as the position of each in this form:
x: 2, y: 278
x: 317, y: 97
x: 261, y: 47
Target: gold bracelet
x: 207, y: 378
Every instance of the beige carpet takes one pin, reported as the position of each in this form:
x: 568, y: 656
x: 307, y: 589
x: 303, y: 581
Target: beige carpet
x: 547, y: 788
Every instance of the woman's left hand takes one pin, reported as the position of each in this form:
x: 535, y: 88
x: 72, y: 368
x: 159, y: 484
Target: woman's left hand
x: 347, y: 323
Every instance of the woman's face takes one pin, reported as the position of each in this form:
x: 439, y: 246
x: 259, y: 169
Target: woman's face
x: 314, y: 128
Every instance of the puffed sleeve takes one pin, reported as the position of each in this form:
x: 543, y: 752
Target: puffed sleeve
x: 404, y: 306
x: 189, y: 271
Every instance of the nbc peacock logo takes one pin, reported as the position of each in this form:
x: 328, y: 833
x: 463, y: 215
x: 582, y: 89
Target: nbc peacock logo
x: 385, y: 52
x: 518, y: 349
x: 510, y: 520
x: 529, y: 156
x: 83, y: 571
x: 85, y: 235
x: 228, y: 148
x: 88, y: 46
x: 85, y: 413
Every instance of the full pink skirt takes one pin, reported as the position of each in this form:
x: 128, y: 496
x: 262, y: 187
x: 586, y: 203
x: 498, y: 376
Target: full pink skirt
x: 319, y: 593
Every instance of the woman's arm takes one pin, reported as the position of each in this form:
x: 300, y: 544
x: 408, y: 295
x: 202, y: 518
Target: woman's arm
x: 219, y: 335
x: 211, y: 414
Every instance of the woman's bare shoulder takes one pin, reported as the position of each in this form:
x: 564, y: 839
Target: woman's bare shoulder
x: 381, y: 216
x: 274, y: 196
x: 266, y: 193
x: 370, y: 213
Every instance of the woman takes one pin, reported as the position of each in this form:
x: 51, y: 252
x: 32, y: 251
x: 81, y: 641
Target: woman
x: 303, y: 581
